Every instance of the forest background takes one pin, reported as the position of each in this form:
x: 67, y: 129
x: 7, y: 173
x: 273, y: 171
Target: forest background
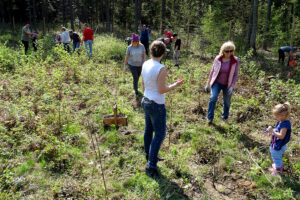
x: 250, y: 23
x: 52, y: 141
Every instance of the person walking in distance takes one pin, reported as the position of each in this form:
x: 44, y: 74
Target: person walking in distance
x: 176, y: 49
x: 26, y: 36
x: 169, y: 34
x: 65, y: 39
x: 135, y: 57
x: 223, y: 76
x: 154, y: 77
x: 88, y: 35
x: 76, y: 40
x: 145, y: 38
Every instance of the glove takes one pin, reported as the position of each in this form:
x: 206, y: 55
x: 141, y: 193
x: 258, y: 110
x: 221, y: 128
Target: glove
x: 207, y: 89
x: 125, y: 68
x: 229, y: 91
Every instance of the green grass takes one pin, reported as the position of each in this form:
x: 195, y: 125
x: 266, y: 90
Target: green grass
x: 52, y: 105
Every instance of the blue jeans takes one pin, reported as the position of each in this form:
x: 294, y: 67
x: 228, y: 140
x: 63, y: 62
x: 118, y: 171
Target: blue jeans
x: 215, y: 91
x: 90, y: 50
x: 76, y: 45
x: 277, y: 156
x: 155, y: 120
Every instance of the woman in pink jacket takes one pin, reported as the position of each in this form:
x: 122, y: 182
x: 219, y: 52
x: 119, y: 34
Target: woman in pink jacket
x: 223, y: 76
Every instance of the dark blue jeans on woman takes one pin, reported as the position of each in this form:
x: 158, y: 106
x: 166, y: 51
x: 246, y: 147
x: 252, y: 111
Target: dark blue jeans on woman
x: 215, y: 91
x: 136, y: 73
x: 155, y: 120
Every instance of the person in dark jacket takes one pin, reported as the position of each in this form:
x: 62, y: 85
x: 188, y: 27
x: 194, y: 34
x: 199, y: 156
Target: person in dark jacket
x: 76, y: 40
x: 145, y: 38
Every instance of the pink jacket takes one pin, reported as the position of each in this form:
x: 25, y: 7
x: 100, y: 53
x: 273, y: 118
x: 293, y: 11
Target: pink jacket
x: 233, y: 66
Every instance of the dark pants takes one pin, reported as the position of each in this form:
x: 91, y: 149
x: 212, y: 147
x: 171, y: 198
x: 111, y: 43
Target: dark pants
x: 155, y: 120
x: 34, y: 45
x: 25, y: 43
x: 136, y: 73
x: 281, y: 55
x: 67, y: 47
x: 146, y: 45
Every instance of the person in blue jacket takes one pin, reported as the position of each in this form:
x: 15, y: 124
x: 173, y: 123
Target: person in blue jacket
x: 145, y: 38
x: 281, y: 51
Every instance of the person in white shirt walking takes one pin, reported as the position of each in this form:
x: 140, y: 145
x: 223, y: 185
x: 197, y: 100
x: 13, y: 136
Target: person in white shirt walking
x: 65, y: 39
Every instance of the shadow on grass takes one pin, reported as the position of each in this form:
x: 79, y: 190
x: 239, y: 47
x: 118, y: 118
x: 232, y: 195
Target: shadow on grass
x: 250, y: 144
x: 220, y: 129
x: 291, y: 182
x: 169, y: 189
x: 247, y: 141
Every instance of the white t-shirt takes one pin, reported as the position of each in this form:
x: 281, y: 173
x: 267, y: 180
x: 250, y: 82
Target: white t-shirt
x: 150, y: 72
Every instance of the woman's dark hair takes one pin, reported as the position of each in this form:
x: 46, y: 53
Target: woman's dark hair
x: 157, y: 49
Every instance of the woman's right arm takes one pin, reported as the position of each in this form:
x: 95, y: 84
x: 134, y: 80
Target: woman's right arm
x: 126, y: 59
x: 210, y: 75
x: 161, y: 81
x: 143, y: 85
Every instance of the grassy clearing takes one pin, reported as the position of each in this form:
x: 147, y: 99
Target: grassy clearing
x: 52, y: 105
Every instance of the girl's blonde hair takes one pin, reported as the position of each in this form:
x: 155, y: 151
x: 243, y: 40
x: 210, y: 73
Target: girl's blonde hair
x: 225, y: 46
x: 282, y: 108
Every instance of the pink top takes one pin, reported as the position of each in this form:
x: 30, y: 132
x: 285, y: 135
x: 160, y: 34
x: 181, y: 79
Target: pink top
x: 223, y: 74
x: 232, y: 72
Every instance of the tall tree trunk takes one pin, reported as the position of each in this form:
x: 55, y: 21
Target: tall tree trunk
x: 44, y: 13
x: 230, y: 31
x: 63, y: 7
x: 254, y: 27
x: 112, y: 16
x: 71, y: 14
x: 2, y: 13
x: 123, y: 14
x: 250, y: 23
x: 293, y: 24
x: 29, y: 11
x: 268, y: 17
x: 34, y: 14
x: 14, y: 24
x: 200, y: 11
x: 137, y: 17
x: 163, y: 16
x: 107, y: 4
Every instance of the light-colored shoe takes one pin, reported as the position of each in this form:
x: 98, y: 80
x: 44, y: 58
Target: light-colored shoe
x: 275, y: 170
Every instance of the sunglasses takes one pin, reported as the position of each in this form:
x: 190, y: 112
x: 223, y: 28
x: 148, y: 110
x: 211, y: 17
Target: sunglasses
x: 228, y: 51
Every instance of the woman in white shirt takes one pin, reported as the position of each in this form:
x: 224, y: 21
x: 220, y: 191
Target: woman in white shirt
x: 154, y: 86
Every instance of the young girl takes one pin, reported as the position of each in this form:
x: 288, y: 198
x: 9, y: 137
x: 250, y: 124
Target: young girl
x: 280, y: 135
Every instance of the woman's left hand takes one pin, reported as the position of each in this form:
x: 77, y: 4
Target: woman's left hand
x: 179, y: 82
x: 229, y: 91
